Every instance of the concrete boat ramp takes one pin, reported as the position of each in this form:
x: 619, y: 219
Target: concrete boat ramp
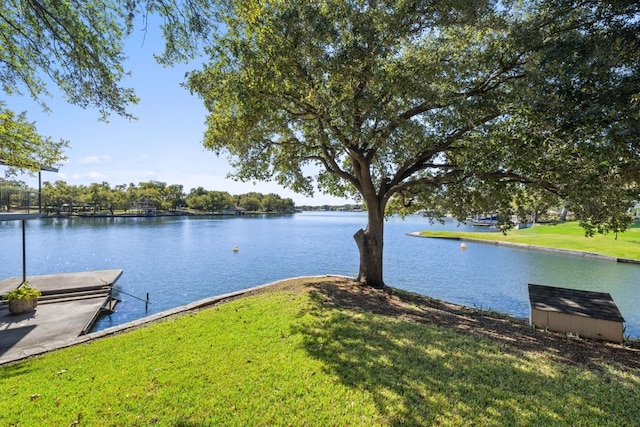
x: 70, y: 304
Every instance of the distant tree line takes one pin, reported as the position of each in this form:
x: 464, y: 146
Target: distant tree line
x: 60, y: 197
x: 215, y: 201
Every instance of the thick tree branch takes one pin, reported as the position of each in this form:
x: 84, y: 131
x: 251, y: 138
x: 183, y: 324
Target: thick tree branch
x: 419, y: 161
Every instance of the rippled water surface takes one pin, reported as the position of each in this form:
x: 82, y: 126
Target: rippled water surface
x: 180, y: 260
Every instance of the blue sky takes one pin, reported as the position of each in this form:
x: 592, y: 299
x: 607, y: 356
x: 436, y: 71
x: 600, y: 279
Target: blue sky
x: 164, y: 144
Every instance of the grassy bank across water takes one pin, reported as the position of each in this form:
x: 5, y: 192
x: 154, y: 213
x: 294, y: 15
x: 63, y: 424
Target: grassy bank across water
x: 565, y: 236
x: 323, y: 352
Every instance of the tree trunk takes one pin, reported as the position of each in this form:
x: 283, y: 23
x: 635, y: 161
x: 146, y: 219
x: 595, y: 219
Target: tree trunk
x: 370, y: 244
x: 563, y: 214
x: 565, y: 211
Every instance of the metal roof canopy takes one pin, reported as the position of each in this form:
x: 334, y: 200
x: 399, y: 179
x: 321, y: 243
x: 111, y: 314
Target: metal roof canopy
x: 42, y: 167
x: 24, y: 217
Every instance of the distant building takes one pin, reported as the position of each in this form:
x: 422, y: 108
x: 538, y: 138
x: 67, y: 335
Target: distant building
x: 144, y: 206
x: 234, y: 210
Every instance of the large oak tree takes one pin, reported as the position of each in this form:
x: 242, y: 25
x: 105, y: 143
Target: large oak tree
x: 453, y: 106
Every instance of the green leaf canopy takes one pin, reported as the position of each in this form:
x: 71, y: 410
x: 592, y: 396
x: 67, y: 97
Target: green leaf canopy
x: 456, y: 106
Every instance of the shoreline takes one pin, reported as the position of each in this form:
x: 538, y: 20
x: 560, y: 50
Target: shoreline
x: 206, y: 303
x: 157, y: 215
x: 147, y: 320
x: 526, y: 246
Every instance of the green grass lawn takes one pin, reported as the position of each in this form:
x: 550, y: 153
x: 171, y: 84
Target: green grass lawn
x: 569, y: 236
x: 293, y: 356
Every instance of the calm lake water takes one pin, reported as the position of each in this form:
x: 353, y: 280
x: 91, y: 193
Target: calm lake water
x: 181, y: 260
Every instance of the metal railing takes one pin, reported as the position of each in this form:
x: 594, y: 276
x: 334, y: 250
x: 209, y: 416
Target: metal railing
x: 18, y: 200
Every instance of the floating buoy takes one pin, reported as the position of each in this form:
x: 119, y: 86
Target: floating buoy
x: 463, y: 246
x: 235, y: 249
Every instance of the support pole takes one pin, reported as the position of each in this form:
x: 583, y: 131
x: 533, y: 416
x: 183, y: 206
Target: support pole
x: 40, y: 192
x: 24, y: 253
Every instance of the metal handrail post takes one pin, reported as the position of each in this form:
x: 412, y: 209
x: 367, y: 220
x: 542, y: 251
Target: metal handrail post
x: 24, y: 253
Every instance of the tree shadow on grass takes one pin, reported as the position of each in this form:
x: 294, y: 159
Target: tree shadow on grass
x: 426, y: 362
x: 507, y: 330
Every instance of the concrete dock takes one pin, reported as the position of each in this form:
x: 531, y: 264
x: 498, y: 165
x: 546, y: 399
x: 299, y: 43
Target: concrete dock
x: 69, y: 305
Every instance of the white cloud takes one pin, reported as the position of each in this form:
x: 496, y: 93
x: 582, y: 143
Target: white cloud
x: 95, y: 176
x: 87, y: 178
x: 88, y: 160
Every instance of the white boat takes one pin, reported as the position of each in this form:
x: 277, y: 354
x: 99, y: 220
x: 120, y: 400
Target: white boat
x: 485, y: 221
